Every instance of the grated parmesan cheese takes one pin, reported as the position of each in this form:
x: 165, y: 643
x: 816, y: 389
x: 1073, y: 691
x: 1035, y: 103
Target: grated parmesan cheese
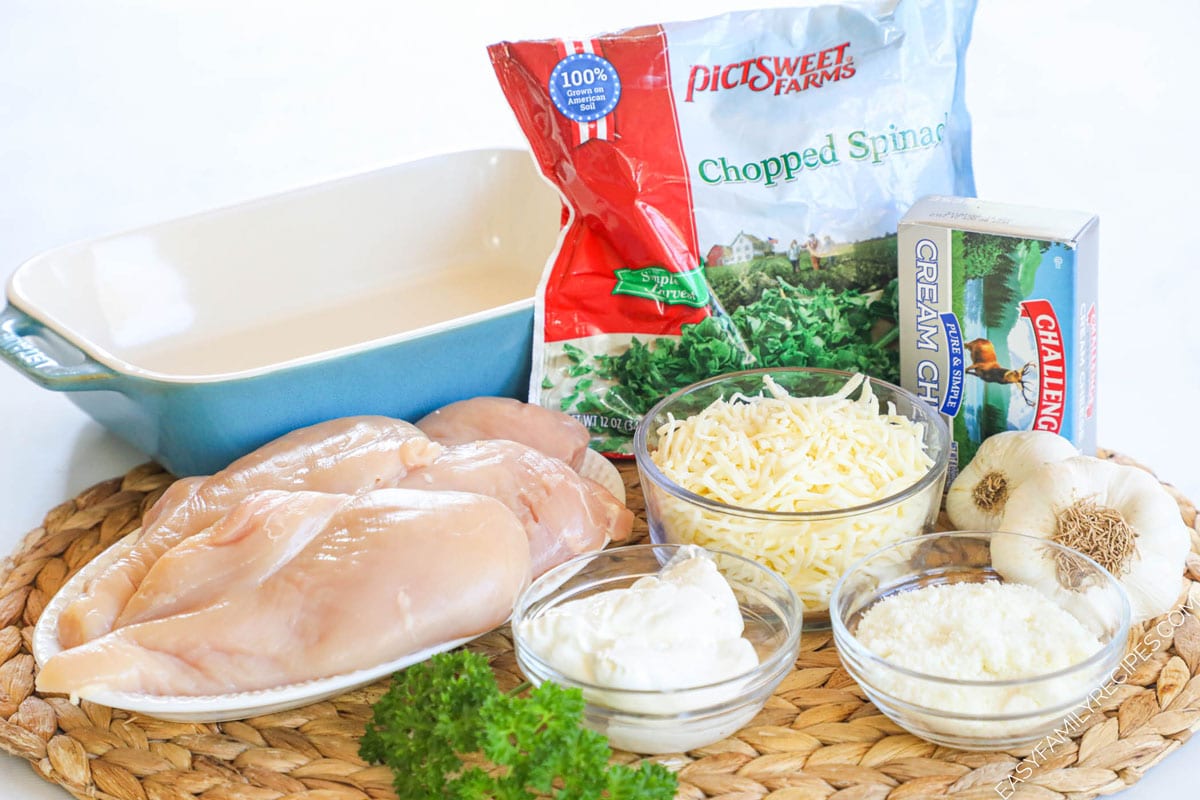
x: 779, y: 453
x: 977, y: 632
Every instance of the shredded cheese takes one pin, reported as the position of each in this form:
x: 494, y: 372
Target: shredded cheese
x: 779, y: 453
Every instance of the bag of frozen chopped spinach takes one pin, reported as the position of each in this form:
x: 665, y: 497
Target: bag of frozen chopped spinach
x: 732, y: 190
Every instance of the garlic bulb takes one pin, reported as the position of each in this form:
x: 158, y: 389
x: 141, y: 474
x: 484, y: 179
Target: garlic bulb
x: 977, y: 497
x: 1119, y: 516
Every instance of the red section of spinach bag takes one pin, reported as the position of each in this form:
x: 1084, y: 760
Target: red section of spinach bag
x: 733, y: 188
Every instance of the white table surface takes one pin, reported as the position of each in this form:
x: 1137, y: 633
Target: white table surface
x: 122, y: 113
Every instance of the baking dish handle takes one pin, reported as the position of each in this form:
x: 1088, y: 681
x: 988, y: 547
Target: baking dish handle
x: 28, y: 355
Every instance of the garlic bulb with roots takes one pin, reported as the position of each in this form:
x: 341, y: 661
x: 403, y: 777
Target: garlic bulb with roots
x: 1119, y: 516
x: 978, y: 496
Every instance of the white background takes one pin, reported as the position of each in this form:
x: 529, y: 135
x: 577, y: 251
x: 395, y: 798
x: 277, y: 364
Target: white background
x: 118, y: 114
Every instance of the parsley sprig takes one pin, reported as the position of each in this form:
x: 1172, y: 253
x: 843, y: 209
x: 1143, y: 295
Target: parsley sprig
x: 449, y: 708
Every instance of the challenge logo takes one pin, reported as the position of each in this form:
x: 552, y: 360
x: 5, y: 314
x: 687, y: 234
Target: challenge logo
x: 779, y: 75
x: 1052, y: 373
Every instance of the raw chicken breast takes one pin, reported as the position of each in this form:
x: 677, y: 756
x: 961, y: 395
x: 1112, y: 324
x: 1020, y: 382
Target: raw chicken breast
x: 348, y: 455
x: 254, y: 540
x: 553, y: 432
x: 387, y: 573
x: 175, y: 496
x: 563, y: 513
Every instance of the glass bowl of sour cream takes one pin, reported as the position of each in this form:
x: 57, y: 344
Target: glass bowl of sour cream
x: 674, y: 647
x: 957, y: 652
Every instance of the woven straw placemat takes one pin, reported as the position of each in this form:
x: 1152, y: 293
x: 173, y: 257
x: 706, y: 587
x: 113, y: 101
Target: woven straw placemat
x: 816, y: 739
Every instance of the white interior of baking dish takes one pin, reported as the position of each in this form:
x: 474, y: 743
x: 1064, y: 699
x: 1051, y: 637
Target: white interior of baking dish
x: 331, y: 268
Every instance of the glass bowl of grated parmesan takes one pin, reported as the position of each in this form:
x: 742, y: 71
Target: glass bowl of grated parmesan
x: 803, y: 470
x: 956, y: 652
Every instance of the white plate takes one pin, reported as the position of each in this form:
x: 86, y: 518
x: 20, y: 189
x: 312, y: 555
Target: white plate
x: 603, y: 472
x: 219, y: 708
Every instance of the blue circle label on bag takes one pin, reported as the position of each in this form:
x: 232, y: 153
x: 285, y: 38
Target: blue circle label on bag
x: 585, y: 87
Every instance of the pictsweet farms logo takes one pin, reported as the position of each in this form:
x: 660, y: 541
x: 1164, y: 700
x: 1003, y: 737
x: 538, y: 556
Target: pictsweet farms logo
x: 780, y: 75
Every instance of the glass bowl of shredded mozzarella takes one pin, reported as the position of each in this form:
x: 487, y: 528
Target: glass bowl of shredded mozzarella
x: 673, y: 647
x: 803, y: 470
x: 956, y: 652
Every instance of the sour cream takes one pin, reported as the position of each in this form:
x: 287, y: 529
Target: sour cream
x: 677, y: 630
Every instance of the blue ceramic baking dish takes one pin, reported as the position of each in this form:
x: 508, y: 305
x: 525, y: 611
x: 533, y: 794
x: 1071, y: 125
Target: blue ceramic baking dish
x: 391, y: 292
